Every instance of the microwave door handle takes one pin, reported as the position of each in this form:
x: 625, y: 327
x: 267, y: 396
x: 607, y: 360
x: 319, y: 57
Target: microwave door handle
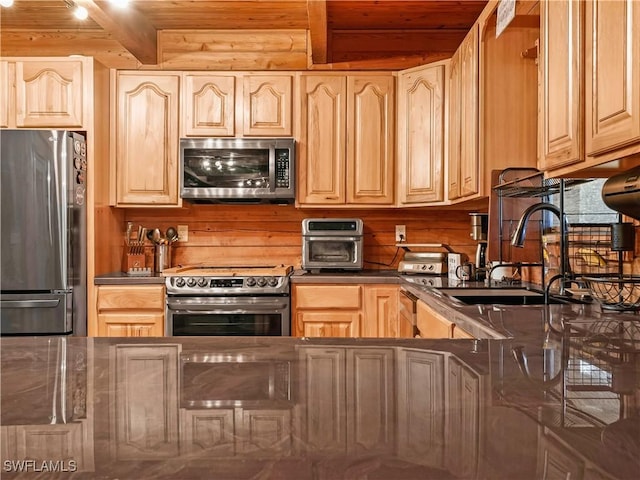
x: 272, y: 168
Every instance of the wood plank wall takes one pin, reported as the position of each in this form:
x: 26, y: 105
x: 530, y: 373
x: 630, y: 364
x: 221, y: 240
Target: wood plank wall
x: 271, y: 234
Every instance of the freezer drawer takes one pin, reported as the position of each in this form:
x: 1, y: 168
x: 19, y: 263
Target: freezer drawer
x: 35, y: 314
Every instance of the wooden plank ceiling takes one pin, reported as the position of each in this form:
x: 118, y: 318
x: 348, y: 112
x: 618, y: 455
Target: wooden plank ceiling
x: 242, y: 34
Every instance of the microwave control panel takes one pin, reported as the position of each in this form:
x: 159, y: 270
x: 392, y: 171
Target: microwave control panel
x: 282, y: 168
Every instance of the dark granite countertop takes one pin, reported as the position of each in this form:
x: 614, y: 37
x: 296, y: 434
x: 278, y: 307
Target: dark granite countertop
x: 122, y: 278
x: 299, y: 408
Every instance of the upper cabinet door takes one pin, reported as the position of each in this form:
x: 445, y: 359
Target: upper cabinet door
x: 147, y: 139
x: 613, y: 75
x: 562, y: 67
x: 268, y: 104
x: 321, y: 152
x: 469, y: 162
x: 49, y: 93
x: 421, y: 135
x: 208, y: 104
x: 370, y: 143
x: 463, y: 119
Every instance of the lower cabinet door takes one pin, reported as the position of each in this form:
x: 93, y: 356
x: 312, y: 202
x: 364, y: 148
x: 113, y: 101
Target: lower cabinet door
x: 420, y: 406
x: 228, y: 432
x: 145, y: 403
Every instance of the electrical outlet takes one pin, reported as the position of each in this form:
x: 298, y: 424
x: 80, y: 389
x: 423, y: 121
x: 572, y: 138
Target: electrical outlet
x: 183, y: 233
x: 401, y: 233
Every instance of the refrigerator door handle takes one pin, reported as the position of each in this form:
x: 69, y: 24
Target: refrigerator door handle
x: 30, y: 303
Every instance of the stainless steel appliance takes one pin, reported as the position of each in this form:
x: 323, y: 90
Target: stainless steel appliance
x: 228, y: 301
x: 332, y: 243
x: 244, y: 170
x: 44, y: 280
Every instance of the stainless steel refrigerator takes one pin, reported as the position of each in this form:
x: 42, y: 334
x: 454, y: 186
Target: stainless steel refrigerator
x: 43, y: 231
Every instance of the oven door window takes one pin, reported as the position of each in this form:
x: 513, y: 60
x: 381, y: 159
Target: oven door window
x: 227, y: 324
x: 332, y: 251
x: 226, y: 168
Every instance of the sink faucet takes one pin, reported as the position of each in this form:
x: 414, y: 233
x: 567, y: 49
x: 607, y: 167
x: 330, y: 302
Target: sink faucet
x: 521, y: 231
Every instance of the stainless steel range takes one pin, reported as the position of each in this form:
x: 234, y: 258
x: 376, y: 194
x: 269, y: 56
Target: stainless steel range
x: 228, y: 301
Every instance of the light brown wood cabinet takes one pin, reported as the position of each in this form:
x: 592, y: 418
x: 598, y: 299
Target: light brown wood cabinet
x: 225, y: 432
x: 432, y: 324
x: 46, y: 92
x: 380, y: 311
x: 421, y: 134
x: 464, y: 166
x: 612, y: 65
x: 562, y: 83
x: 349, y: 399
x: 590, y: 84
x: 5, y: 89
x: 326, y: 310
x: 145, y: 158
x: 130, y: 310
x: 144, y: 401
x: 346, y: 149
x: 366, y: 310
x: 420, y: 410
x: 237, y: 104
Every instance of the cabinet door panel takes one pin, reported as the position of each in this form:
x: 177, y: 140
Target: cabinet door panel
x: 562, y: 49
x: 4, y: 94
x: 612, y: 74
x: 469, y: 162
x: 209, y: 105
x: 370, y: 397
x: 455, y: 134
x: 420, y: 406
x: 324, y: 418
x: 145, y: 403
x: 380, y: 317
x: 263, y: 432
x: 421, y: 135
x: 327, y: 296
x: 330, y: 323
x: 268, y: 104
x: 147, y: 139
x: 131, y: 324
x: 49, y: 94
x: 209, y: 432
x: 131, y: 297
x: 322, y: 162
x: 370, y: 155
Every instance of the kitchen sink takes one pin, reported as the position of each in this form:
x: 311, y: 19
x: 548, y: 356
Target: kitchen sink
x: 499, y: 296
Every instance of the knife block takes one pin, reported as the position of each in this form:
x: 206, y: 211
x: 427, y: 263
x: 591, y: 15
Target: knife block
x: 133, y: 260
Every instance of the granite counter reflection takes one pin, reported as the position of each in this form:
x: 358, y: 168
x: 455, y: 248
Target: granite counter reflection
x: 288, y: 408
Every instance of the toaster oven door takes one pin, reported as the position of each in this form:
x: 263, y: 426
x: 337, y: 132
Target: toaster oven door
x: 332, y: 252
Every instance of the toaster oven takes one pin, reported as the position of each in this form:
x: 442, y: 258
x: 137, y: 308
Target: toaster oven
x: 332, y: 243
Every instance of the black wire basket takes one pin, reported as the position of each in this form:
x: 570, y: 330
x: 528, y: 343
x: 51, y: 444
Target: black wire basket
x: 621, y: 293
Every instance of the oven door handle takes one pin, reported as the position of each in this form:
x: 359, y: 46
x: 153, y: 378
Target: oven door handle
x: 235, y: 305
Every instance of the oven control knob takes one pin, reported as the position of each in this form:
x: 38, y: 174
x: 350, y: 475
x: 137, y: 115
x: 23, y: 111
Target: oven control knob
x: 191, y: 282
x: 272, y: 281
x: 250, y: 282
x: 180, y: 282
x: 262, y: 281
x: 202, y: 282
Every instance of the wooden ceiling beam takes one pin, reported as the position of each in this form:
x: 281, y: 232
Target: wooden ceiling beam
x: 128, y: 27
x: 317, y: 12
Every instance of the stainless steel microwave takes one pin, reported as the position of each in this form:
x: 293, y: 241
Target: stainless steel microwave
x: 237, y: 170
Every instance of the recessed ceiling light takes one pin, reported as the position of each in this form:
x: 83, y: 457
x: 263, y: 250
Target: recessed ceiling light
x: 120, y: 3
x: 80, y: 12
x: 6, y: 3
